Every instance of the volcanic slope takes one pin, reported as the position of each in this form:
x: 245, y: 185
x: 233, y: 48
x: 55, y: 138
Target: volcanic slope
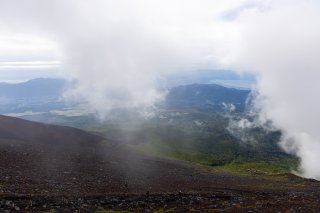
x: 55, y: 168
x: 47, y: 159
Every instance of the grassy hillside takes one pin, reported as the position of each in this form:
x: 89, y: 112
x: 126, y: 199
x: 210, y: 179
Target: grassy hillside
x: 196, y: 136
x: 192, y: 125
x: 203, y: 138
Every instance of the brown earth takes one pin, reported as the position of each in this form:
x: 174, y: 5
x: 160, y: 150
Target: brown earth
x: 46, y: 167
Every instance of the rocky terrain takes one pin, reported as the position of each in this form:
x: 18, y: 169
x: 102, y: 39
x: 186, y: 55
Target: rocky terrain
x: 63, y: 169
x: 215, y: 201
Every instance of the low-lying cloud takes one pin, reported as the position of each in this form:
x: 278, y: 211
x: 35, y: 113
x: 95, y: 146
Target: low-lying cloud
x: 280, y: 43
x: 119, y: 51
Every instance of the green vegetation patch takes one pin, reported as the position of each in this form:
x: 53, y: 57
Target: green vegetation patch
x: 203, y: 138
x: 261, y: 168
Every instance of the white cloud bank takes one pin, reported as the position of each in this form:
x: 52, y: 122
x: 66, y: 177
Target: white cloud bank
x: 120, y: 49
x: 281, y: 44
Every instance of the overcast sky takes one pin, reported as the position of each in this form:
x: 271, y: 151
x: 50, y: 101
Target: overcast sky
x: 119, y: 50
x: 39, y: 36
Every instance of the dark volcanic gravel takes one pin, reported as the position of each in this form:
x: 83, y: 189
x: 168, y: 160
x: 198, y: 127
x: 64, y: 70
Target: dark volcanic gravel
x: 215, y: 201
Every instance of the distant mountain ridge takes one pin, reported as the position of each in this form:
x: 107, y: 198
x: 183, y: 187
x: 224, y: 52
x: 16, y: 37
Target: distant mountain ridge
x: 45, y: 94
x: 37, y: 95
x: 35, y: 88
x: 207, y: 97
